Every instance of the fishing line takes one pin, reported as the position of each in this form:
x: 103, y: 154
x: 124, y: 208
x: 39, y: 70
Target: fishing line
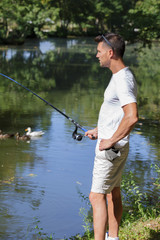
x: 75, y: 135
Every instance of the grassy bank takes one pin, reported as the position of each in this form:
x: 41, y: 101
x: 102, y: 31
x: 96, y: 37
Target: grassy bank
x: 141, y: 229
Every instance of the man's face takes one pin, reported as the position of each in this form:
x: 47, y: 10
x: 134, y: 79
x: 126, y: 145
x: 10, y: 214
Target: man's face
x: 103, y: 54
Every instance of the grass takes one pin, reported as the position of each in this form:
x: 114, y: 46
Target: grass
x: 137, y: 230
x: 141, y: 230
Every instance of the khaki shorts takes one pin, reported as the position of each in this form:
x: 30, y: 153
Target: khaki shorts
x: 108, y: 168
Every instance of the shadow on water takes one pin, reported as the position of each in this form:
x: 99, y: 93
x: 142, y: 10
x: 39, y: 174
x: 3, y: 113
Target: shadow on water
x: 41, y: 176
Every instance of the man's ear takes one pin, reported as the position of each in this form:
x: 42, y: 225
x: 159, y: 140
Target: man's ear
x: 111, y: 53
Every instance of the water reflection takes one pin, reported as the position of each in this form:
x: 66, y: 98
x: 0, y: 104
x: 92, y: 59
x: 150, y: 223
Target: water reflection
x: 40, y: 177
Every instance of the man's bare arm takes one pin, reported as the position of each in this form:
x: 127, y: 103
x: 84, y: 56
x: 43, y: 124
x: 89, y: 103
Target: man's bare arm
x: 125, y: 127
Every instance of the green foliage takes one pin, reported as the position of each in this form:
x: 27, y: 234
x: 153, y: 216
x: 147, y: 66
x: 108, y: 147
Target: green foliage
x: 148, y: 74
x: 144, y: 20
x: 135, y: 20
x: 141, y: 229
x: 87, y: 223
x: 132, y: 197
x: 22, y: 19
x: 157, y: 179
x: 39, y: 233
x: 140, y: 219
x: 136, y: 204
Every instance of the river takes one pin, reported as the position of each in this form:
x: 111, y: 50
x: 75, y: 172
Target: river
x: 44, y: 181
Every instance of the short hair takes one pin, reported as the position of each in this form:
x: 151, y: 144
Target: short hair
x: 114, y: 41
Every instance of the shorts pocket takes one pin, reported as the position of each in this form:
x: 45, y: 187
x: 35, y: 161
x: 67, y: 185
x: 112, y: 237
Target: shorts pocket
x: 100, y: 154
x: 111, y: 154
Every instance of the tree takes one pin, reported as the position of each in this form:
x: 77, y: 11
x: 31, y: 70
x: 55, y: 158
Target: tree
x: 135, y: 20
x: 20, y: 19
x: 143, y: 22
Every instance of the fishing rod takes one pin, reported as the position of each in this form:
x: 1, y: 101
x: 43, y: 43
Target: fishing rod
x: 75, y: 135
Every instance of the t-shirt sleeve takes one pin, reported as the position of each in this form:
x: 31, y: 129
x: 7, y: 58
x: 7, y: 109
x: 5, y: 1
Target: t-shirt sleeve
x: 126, y: 89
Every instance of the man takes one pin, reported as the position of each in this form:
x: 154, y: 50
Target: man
x: 118, y: 115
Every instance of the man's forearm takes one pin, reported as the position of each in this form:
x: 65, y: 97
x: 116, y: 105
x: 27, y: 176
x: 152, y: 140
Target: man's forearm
x: 124, y: 129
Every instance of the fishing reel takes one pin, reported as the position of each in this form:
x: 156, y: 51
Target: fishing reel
x: 77, y: 136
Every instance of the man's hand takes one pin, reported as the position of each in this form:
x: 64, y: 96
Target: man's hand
x: 92, y: 134
x: 105, y: 144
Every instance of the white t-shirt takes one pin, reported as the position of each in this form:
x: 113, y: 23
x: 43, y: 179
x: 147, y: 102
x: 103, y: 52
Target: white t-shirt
x: 121, y: 90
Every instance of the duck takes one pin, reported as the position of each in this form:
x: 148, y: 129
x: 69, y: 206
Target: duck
x: 33, y: 134
x: 6, y: 135
x: 24, y: 137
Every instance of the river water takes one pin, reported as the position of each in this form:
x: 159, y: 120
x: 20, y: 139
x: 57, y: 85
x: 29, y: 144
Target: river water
x: 44, y: 181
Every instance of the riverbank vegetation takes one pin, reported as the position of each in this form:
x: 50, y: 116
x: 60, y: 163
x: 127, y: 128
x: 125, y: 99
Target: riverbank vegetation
x: 141, y: 217
x: 135, y: 20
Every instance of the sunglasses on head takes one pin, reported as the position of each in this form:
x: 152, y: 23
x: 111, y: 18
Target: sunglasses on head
x: 105, y: 39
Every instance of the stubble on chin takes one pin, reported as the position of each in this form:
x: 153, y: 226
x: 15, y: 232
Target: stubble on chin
x: 102, y: 65
x: 105, y: 64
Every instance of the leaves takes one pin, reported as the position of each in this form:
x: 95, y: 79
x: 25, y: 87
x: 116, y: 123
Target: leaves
x: 135, y: 20
x: 144, y: 20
